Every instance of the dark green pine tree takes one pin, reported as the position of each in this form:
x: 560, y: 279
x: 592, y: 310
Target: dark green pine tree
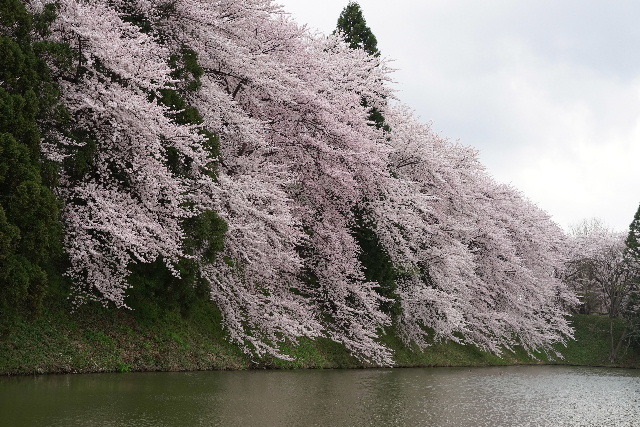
x: 354, y: 30
x: 633, y: 239
x: 30, y: 227
x: 377, y: 263
x: 631, y: 311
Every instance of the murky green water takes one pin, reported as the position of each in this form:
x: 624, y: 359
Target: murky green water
x: 456, y: 397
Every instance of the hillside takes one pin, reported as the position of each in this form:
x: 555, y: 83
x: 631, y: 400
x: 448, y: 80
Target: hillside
x: 101, y: 340
x: 197, y: 185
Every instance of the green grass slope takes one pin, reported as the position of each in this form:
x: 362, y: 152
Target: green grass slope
x: 97, y: 339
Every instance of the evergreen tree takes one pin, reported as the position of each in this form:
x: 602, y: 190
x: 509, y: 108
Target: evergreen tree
x: 376, y: 262
x: 354, y: 30
x: 30, y: 228
x: 633, y: 239
x: 632, y: 312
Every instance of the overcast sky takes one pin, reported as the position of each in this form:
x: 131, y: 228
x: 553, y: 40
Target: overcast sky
x: 547, y: 91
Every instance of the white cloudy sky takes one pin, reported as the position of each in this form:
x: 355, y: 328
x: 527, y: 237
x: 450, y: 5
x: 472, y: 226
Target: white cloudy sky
x: 547, y: 91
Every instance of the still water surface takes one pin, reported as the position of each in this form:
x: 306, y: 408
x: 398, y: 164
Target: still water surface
x: 458, y: 397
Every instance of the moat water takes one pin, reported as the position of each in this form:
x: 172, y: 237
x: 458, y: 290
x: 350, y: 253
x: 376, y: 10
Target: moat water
x: 520, y: 396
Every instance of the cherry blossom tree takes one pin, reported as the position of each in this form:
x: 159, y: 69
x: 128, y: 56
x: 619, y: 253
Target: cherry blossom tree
x: 597, y: 262
x: 299, y: 166
x: 601, y: 265
x: 480, y: 259
x: 286, y: 106
x: 128, y: 206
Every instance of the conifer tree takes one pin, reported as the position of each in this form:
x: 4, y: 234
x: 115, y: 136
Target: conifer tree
x: 632, y: 257
x: 354, y: 30
x: 633, y: 239
x: 30, y: 229
x: 376, y: 262
x: 632, y: 312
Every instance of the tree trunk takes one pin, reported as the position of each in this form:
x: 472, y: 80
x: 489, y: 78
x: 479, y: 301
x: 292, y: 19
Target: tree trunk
x: 615, y: 347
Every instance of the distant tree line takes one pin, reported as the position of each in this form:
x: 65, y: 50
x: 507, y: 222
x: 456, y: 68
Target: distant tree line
x: 603, y: 268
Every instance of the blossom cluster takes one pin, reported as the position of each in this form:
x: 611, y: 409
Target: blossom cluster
x: 299, y: 165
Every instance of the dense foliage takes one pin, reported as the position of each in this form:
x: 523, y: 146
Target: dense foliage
x: 219, y: 146
x: 30, y: 227
x: 354, y: 30
x: 631, y: 311
x: 632, y: 241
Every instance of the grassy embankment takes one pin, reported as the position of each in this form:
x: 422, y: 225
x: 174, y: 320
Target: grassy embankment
x: 95, y: 339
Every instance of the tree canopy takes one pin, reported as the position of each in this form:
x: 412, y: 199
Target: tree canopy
x: 30, y: 227
x: 353, y: 28
x: 221, y: 142
x: 633, y: 238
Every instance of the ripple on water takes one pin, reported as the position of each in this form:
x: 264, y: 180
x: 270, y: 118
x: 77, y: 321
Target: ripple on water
x: 430, y: 397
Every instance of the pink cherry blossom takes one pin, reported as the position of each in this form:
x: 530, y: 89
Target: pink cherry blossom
x: 477, y: 262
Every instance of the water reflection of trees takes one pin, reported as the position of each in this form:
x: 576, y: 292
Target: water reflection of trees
x: 443, y: 397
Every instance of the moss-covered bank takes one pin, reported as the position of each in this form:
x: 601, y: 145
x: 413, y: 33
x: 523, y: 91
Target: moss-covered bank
x: 96, y: 339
